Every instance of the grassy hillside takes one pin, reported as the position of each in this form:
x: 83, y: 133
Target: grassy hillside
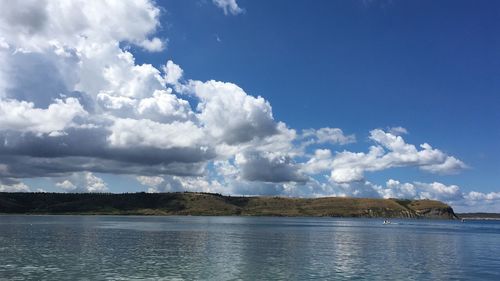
x: 189, y: 203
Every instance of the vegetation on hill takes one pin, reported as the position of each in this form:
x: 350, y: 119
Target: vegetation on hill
x: 190, y: 203
x: 480, y: 216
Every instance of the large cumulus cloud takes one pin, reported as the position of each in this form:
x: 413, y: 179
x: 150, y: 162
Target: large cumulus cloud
x: 72, y: 99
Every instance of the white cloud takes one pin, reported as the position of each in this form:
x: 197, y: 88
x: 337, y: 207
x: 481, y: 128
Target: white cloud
x: 173, y: 72
x: 106, y: 68
x: 14, y: 187
x: 162, y: 106
x: 428, y: 159
x: 328, y: 135
x: 229, y: 6
x: 391, y: 151
x: 83, y: 182
x: 22, y: 116
x: 175, y: 183
x: 79, y: 41
x: 451, y: 165
x: 129, y: 80
x: 226, y: 169
x: 230, y: 115
x: 419, y: 190
x: 479, y: 196
x: 395, y: 189
x: 322, y: 160
x: 146, y: 133
x: 94, y: 183
x: 397, y: 131
x: 35, y: 25
x: 3, y: 43
x: 165, y: 107
x: 152, y: 181
x: 117, y: 105
x: 66, y: 185
x: 153, y: 45
x: 479, y: 202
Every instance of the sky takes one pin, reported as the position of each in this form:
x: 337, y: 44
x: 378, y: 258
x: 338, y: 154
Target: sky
x: 362, y: 98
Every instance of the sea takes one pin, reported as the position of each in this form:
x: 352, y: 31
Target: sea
x: 245, y: 248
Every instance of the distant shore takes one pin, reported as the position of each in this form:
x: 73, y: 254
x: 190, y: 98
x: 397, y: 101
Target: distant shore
x: 209, y: 204
x: 479, y: 216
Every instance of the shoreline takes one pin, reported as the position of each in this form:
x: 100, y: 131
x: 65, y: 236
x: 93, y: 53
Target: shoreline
x: 201, y: 215
x: 480, y: 219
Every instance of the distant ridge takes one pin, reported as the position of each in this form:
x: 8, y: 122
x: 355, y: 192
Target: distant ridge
x: 479, y: 216
x: 194, y: 203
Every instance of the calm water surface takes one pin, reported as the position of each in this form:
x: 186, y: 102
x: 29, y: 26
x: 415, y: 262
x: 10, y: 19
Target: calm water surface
x: 245, y: 248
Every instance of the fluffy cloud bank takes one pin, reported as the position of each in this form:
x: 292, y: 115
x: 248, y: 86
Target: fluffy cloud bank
x: 21, y: 116
x: 83, y: 182
x: 74, y: 102
x: 391, y: 151
x: 14, y: 187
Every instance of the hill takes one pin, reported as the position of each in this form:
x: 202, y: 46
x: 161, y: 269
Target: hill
x: 479, y: 216
x: 191, y: 203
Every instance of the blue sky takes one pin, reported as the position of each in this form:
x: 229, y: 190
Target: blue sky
x: 335, y: 78
x: 430, y: 67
